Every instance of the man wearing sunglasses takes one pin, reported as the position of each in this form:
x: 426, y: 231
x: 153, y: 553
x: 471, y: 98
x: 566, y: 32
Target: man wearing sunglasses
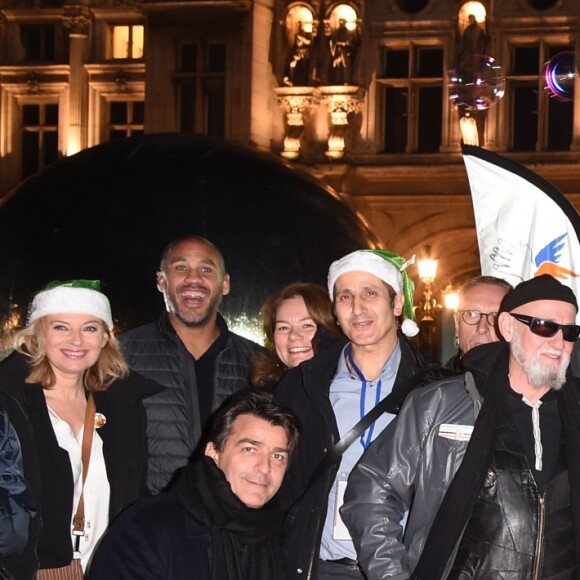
x: 476, y: 316
x: 486, y: 464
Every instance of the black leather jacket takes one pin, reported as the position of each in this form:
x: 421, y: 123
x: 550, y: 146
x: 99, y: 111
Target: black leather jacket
x: 515, y: 531
x: 410, y: 467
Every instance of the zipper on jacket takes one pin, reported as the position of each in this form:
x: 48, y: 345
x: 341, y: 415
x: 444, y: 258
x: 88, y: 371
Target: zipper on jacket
x: 537, y: 569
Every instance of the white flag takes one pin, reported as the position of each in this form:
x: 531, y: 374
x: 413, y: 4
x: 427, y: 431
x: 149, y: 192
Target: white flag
x: 525, y: 226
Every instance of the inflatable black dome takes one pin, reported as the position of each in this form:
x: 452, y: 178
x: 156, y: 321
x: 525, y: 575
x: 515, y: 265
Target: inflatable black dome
x: 108, y: 211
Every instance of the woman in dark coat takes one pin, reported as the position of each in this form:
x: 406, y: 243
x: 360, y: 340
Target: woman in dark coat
x: 68, y: 372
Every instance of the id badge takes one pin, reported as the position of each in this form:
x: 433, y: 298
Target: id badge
x: 339, y: 530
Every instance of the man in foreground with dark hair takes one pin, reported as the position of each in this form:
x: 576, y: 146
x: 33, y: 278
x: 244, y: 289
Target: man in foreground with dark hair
x: 486, y: 464
x: 220, y: 520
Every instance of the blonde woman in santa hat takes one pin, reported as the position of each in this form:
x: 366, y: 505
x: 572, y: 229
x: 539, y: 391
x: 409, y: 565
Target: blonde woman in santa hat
x: 79, y: 415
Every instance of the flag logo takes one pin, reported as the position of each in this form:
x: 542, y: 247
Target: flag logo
x: 548, y: 258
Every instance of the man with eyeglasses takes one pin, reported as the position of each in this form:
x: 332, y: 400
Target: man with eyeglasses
x: 477, y: 309
x: 486, y: 464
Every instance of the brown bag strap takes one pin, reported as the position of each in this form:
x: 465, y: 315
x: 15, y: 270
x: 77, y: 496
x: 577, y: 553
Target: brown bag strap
x: 79, y: 519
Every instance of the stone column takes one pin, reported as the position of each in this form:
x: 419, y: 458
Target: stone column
x: 78, y: 25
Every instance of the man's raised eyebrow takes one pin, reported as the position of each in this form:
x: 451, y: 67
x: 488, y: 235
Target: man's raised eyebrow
x: 257, y: 443
x: 208, y: 261
x: 282, y: 450
x: 366, y: 288
x: 254, y: 442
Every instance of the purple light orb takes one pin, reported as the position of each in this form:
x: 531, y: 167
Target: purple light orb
x: 560, y: 74
x: 478, y: 83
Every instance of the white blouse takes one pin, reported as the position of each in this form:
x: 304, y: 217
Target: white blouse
x: 97, y: 489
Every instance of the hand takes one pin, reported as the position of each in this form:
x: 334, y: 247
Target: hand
x: 512, y: 261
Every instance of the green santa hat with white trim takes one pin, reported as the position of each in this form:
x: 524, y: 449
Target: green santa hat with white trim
x: 388, y: 267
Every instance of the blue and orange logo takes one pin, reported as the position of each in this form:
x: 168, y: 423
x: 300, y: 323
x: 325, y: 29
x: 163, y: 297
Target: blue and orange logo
x: 547, y: 259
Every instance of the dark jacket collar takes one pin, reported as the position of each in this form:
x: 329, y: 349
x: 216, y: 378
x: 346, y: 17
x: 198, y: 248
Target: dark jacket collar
x: 166, y: 328
x: 487, y: 362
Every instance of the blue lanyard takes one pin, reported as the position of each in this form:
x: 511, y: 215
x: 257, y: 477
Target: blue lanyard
x: 364, y: 441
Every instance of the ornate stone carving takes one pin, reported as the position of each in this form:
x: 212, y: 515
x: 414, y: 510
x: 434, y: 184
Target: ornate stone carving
x: 33, y: 82
x: 121, y: 79
x: 340, y: 102
x: 78, y: 25
x: 295, y: 101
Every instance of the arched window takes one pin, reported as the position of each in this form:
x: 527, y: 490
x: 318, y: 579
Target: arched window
x: 298, y: 19
x: 475, y: 9
x: 343, y: 12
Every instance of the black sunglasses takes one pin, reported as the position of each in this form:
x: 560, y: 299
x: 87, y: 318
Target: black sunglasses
x: 549, y: 328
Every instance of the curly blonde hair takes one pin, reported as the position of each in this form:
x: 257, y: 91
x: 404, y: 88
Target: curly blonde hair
x: 31, y: 342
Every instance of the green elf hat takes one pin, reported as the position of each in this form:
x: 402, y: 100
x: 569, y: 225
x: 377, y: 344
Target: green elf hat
x: 72, y: 297
x: 388, y: 267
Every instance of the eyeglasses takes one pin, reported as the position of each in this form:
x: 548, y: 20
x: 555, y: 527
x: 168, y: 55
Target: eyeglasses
x: 549, y: 328
x: 472, y: 317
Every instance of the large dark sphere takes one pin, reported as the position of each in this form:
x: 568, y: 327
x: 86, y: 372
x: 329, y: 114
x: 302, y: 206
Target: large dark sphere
x: 108, y: 212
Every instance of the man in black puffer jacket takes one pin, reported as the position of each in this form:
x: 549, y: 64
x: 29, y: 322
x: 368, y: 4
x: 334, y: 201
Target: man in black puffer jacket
x: 190, y: 351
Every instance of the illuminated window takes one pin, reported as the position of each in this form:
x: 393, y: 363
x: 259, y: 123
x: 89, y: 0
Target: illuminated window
x: 411, y: 82
x: 471, y: 8
x: 128, y: 41
x: 126, y: 119
x: 343, y: 12
x: 39, y: 137
x: 540, y: 121
x: 202, y: 88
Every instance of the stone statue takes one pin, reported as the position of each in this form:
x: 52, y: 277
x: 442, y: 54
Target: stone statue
x: 473, y: 40
x: 342, y: 45
x: 298, y: 59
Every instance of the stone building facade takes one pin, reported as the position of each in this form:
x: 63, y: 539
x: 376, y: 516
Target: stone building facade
x: 357, y: 92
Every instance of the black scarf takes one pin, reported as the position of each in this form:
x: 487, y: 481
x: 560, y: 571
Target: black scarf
x: 459, y: 501
x: 243, y: 539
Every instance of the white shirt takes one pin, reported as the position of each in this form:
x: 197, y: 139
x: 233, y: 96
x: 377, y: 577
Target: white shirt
x: 97, y: 488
